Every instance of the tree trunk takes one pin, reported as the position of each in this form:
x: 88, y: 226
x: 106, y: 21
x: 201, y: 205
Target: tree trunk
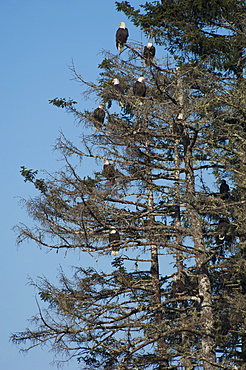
x: 161, y: 345
x: 186, y: 361
x: 204, y: 286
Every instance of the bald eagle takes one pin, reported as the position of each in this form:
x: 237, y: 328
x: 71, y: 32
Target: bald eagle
x: 224, y: 234
x: 121, y: 36
x: 178, y: 285
x: 178, y: 127
x: 109, y: 171
x: 139, y: 87
x: 117, y: 86
x: 119, y: 89
x: 114, y: 241
x: 149, y: 53
x: 222, y: 229
x: 99, y: 115
x: 224, y: 190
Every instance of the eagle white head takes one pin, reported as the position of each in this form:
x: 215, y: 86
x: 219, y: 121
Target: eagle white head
x: 112, y: 231
x: 149, y: 44
x: 122, y: 25
x: 141, y: 79
x: 116, y: 81
x: 101, y: 106
x: 106, y: 162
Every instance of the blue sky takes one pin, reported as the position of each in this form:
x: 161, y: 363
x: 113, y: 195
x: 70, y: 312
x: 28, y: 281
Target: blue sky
x: 38, y: 41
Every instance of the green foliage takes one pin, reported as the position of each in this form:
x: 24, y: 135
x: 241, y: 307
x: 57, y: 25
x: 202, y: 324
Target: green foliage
x: 200, y: 29
x: 89, y: 182
x: 40, y: 185
x: 62, y: 103
x: 106, y: 64
x: 129, y: 10
x: 118, y: 263
x: 46, y: 296
x: 30, y: 176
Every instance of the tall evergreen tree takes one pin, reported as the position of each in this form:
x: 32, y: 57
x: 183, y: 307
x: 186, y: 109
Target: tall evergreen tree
x: 210, y: 31
x: 149, y: 200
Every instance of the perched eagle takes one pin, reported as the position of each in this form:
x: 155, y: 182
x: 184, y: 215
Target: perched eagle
x: 109, y: 171
x: 114, y: 241
x: 224, y: 234
x: 119, y: 89
x: 178, y: 127
x: 139, y: 87
x: 149, y: 53
x: 99, y: 115
x: 117, y: 86
x: 224, y: 189
x: 222, y: 229
x: 121, y: 36
x: 178, y: 285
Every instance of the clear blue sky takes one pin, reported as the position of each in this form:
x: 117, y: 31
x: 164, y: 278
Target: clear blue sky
x: 39, y: 38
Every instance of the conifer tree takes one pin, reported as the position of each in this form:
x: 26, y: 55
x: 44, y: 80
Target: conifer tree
x: 210, y: 31
x: 150, y: 199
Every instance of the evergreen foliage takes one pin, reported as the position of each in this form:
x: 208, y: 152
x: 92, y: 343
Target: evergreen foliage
x: 164, y: 147
x: 212, y: 31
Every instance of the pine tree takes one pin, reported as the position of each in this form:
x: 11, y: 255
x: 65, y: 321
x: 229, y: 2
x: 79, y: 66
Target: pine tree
x: 212, y: 32
x: 155, y: 197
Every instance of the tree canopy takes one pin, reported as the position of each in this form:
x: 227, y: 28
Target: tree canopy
x: 211, y: 31
x: 155, y: 197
